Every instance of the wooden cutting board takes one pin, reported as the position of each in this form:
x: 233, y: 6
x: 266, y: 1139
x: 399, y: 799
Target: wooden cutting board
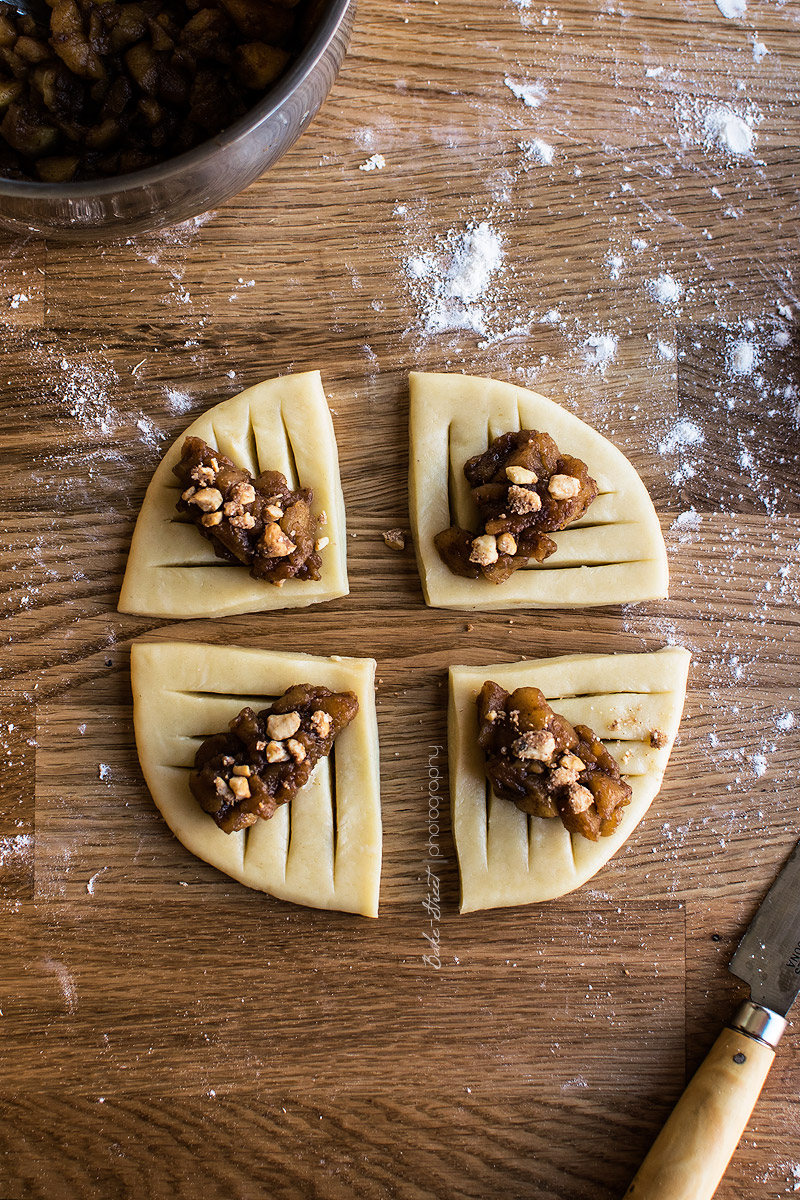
x: 167, y: 1033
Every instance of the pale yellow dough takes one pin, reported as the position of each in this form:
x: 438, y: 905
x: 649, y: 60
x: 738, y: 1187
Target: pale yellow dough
x: 614, y: 555
x: 281, y: 425
x: 506, y: 857
x: 324, y: 848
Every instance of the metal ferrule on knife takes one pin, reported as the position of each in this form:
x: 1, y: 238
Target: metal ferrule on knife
x: 758, y: 1022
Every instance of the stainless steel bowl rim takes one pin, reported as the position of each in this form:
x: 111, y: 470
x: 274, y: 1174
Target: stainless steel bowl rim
x: 302, y: 67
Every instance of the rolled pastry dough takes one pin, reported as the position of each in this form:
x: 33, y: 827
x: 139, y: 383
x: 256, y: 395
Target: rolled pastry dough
x: 283, y: 425
x: 506, y: 857
x: 324, y: 848
x: 614, y: 555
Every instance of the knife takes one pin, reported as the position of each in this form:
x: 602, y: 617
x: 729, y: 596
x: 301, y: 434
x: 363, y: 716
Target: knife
x: 689, y: 1156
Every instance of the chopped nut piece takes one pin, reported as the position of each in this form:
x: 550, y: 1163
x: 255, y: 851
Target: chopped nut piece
x: 296, y: 749
x: 243, y: 493
x: 240, y: 787
x: 523, y: 500
x: 227, y: 761
x: 274, y: 543
x: 484, y: 550
x: 245, y: 520
x: 564, y: 487
x: 205, y: 476
x: 538, y: 745
x: 283, y: 725
x: 209, y: 499
x: 395, y: 539
x: 211, y: 519
x: 658, y: 738
x: 221, y: 786
x: 277, y: 752
x: 321, y: 723
x: 571, y: 762
x: 261, y: 745
x: 579, y: 798
x: 274, y: 511
x: 243, y: 769
x: 321, y: 543
x: 507, y: 543
x: 521, y: 475
x: 187, y: 495
x: 322, y: 519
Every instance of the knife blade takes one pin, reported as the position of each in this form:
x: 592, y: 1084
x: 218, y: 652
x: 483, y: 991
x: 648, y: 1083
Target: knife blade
x: 690, y: 1155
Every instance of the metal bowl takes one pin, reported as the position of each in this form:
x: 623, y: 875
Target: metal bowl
x: 202, y: 178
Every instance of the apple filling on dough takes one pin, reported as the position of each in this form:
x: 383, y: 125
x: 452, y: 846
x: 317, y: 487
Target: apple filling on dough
x: 538, y: 761
x: 245, y: 775
x: 524, y: 488
x: 261, y: 523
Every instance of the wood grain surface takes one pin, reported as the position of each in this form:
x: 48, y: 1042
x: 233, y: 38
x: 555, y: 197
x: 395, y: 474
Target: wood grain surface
x: 167, y: 1033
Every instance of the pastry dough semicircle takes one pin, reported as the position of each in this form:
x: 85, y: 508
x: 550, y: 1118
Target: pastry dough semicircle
x: 283, y: 424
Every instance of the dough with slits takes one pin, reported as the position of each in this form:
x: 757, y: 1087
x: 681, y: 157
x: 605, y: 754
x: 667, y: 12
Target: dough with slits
x: 614, y: 555
x: 506, y: 857
x: 282, y: 425
x: 324, y: 848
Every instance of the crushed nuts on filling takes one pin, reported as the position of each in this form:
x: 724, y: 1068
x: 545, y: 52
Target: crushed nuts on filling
x: 536, y: 759
x: 524, y: 489
x: 261, y: 523
x: 244, y: 775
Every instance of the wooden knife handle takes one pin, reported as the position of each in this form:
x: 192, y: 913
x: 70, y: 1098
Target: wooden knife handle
x: 689, y: 1156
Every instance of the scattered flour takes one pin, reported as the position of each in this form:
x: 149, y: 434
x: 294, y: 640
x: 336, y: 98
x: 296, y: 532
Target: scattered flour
x: 732, y: 9
x: 376, y: 163
x: 531, y: 94
x: 91, y: 882
x: 760, y: 52
x: 452, y: 282
x: 178, y: 402
x: 686, y: 525
x: 743, y: 357
x: 785, y: 721
x: 538, y: 152
x: 665, y: 289
x: 683, y: 433
x: 615, y: 264
x: 104, y: 772
x: 66, y: 983
x: 599, y: 349
x: 729, y: 132
x: 18, y: 848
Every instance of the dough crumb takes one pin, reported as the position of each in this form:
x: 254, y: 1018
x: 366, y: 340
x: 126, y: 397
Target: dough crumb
x: 395, y: 539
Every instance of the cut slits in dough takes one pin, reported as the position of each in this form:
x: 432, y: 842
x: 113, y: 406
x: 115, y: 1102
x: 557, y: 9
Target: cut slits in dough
x: 614, y: 555
x: 323, y: 849
x: 506, y: 857
x: 281, y: 425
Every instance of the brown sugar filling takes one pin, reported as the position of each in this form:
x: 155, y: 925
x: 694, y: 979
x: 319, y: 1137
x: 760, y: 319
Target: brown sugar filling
x: 261, y: 523
x: 245, y: 775
x: 524, y: 489
x: 536, y: 759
